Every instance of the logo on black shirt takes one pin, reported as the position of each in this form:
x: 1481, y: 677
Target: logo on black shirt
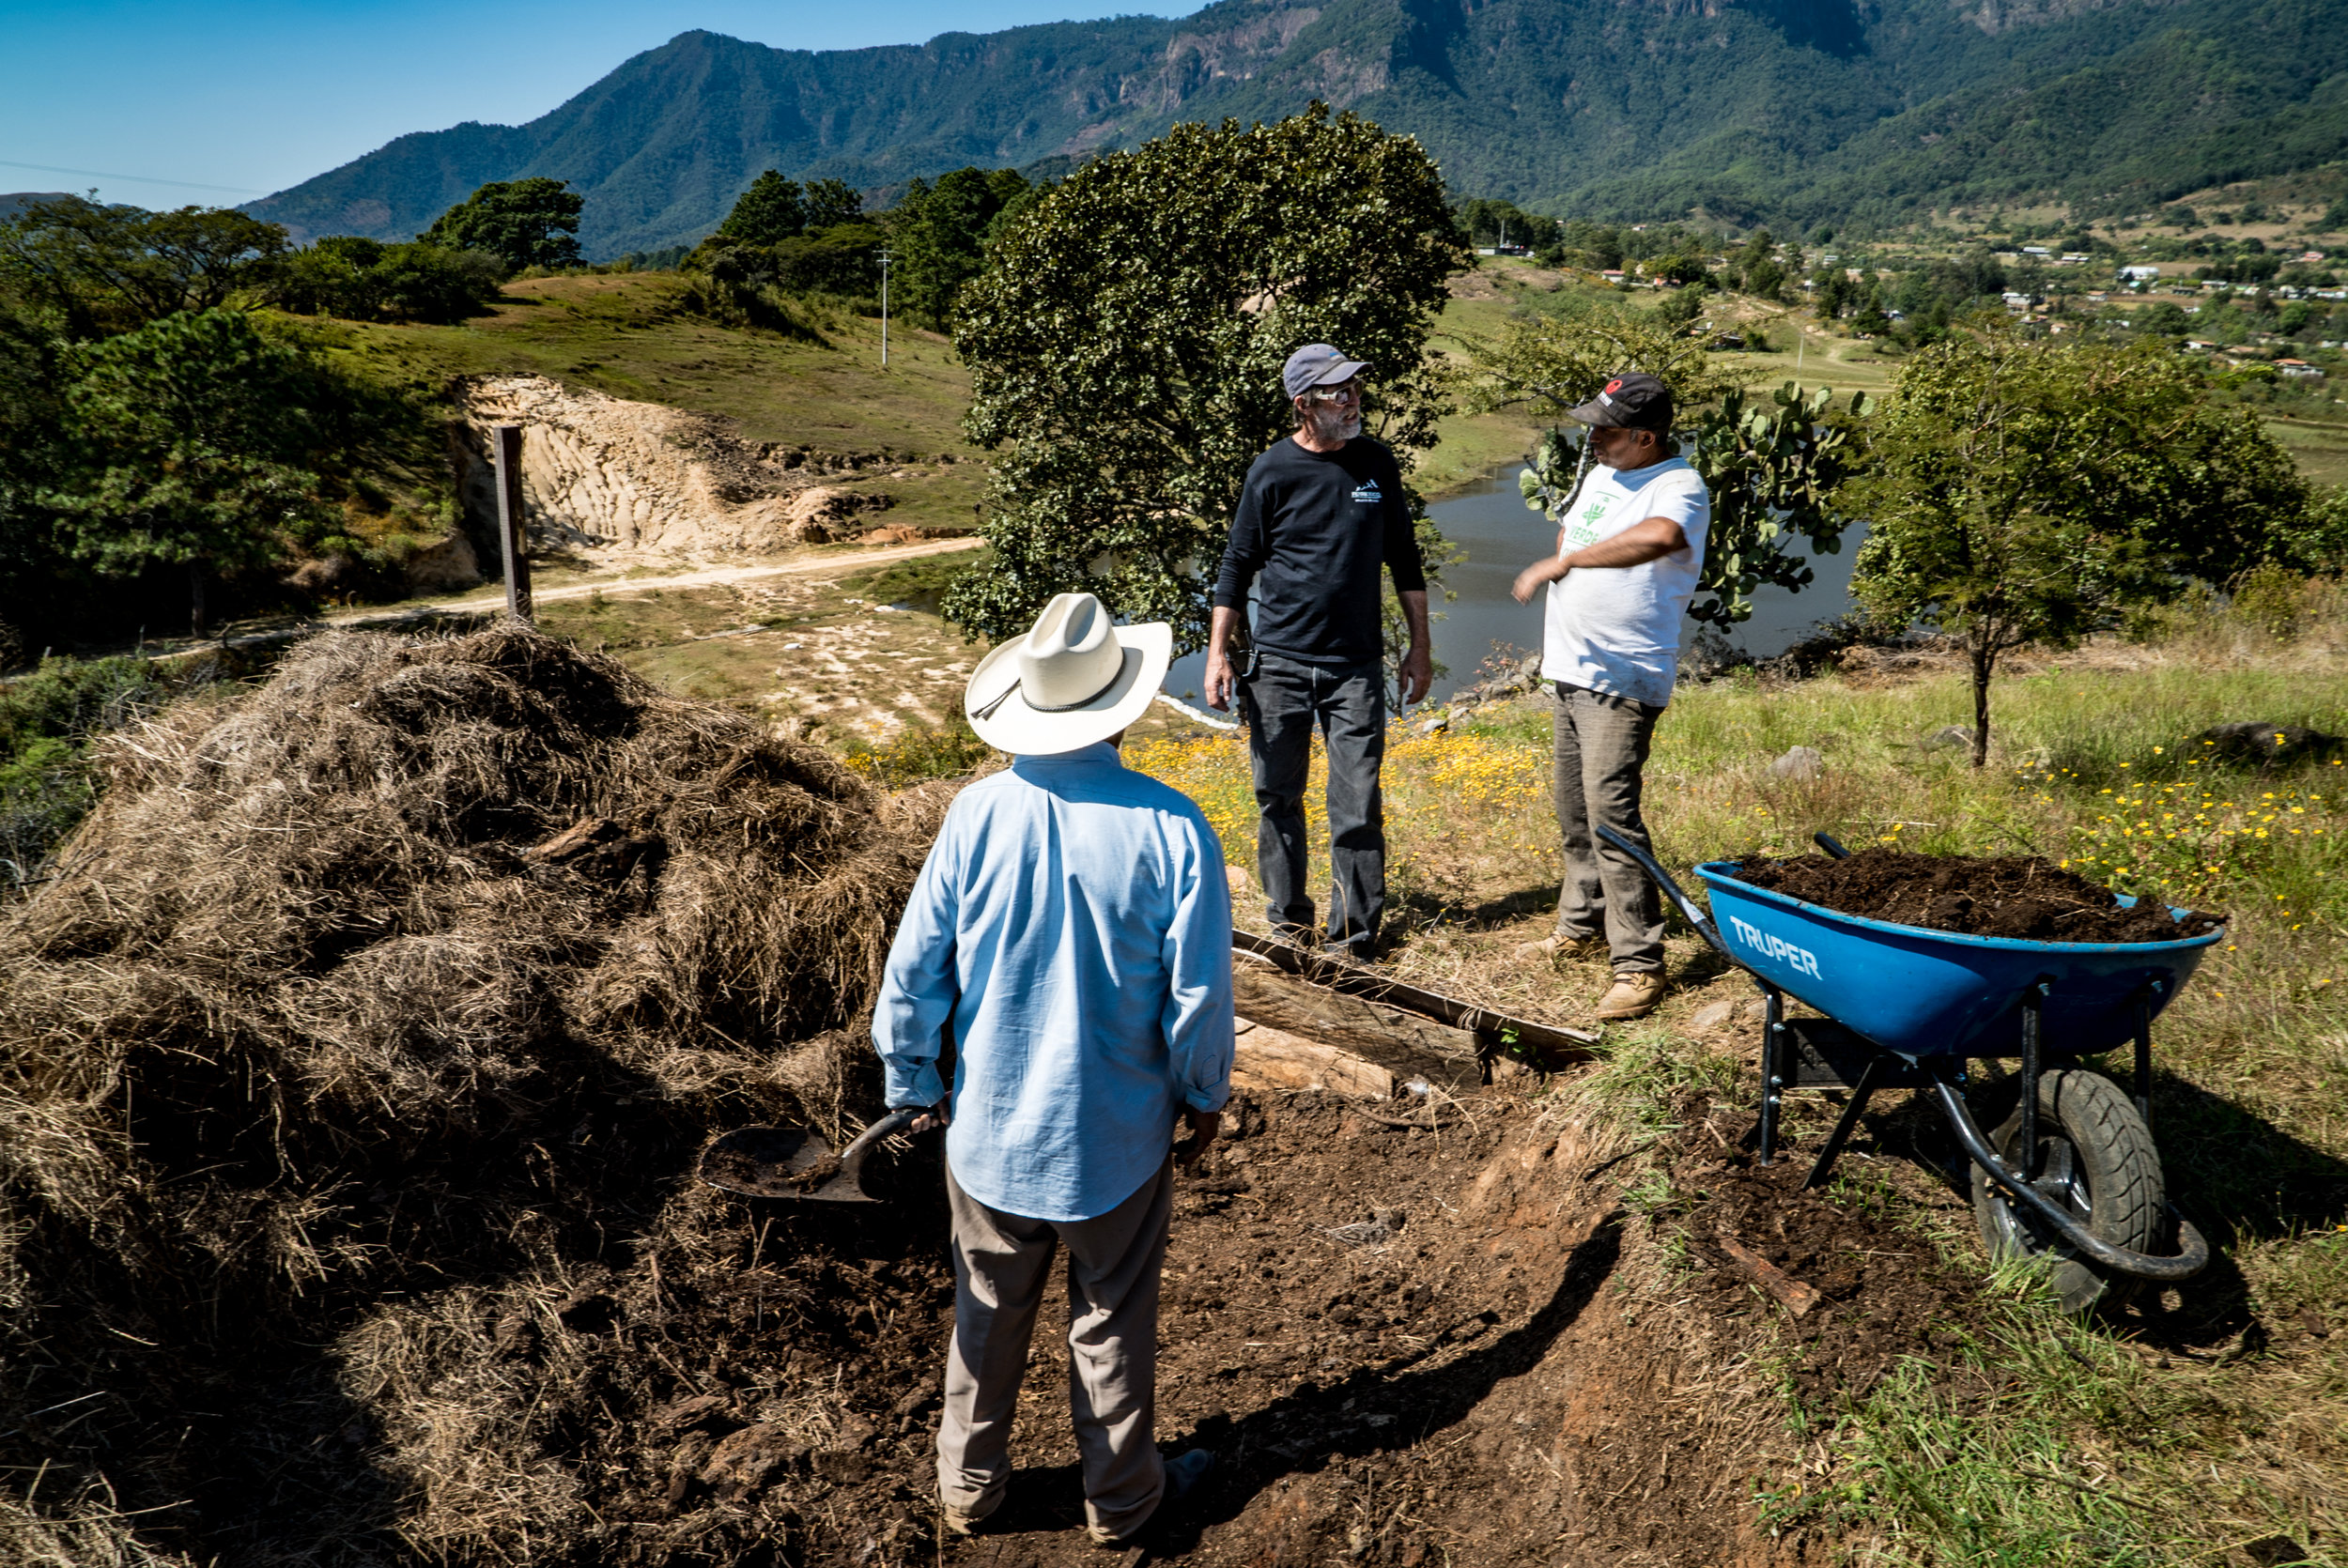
x: 1368, y: 492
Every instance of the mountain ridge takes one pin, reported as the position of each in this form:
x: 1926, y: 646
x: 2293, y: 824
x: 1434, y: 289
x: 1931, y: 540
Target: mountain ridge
x: 1754, y: 110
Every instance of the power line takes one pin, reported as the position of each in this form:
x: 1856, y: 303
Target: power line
x: 141, y: 179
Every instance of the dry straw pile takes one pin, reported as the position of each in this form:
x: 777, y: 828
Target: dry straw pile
x: 348, y: 1074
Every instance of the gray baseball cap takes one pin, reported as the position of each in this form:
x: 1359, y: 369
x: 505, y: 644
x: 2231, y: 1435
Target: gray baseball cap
x: 1316, y: 364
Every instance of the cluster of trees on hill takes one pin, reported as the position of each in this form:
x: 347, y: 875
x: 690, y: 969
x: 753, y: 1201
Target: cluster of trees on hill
x: 158, y: 434
x: 783, y: 240
x: 446, y: 273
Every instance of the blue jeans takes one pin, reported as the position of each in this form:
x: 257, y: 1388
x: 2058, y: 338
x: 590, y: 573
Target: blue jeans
x: 1283, y: 701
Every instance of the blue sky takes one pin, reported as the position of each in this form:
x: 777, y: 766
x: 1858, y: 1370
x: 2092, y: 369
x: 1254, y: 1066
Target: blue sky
x: 238, y: 100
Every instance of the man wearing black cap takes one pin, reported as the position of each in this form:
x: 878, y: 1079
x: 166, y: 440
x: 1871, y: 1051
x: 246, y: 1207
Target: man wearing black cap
x: 1629, y: 548
x: 1321, y: 513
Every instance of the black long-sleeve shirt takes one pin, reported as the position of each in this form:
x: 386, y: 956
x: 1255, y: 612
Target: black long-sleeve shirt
x: 1317, y: 526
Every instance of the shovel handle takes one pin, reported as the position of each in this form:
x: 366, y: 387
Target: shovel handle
x: 896, y: 1121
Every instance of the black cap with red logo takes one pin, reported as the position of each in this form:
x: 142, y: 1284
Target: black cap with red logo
x: 1632, y: 401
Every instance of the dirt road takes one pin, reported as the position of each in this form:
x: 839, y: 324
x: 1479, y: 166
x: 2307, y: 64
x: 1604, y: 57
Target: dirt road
x: 489, y: 598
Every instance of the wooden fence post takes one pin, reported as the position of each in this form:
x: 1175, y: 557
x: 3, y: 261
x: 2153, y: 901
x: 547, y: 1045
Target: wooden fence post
x: 506, y: 443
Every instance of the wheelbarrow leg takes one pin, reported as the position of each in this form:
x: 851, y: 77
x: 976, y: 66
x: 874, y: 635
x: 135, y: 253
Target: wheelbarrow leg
x: 2144, y: 1051
x: 1841, y: 1135
x: 1775, y: 1071
x: 2030, y: 1001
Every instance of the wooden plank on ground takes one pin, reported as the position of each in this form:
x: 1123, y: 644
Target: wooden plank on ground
x: 1554, y: 1045
x: 1404, y: 1045
x: 1270, y: 1058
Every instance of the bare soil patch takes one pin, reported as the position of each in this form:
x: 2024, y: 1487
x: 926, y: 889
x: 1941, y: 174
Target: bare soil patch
x: 2021, y: 897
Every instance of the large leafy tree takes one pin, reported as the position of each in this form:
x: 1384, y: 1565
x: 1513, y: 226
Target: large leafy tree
x: 529, y: 222
x: 940, y: 233
x: 196, y: 442
x: 92, y: 270
x: 1126, y: 340
x: 2028, y: 492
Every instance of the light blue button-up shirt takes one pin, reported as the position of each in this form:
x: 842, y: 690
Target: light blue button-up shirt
x: 1072, y: 925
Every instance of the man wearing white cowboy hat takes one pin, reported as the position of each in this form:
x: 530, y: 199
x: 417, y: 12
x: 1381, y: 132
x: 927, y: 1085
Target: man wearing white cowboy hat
x: 1072, y: 928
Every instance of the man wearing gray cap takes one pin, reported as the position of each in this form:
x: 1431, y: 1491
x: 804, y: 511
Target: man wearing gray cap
x: 1630, y: 550
x: 1321, y: 513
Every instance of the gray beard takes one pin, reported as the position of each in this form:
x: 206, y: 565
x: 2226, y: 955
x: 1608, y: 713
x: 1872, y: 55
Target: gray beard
x: 1330, y: 427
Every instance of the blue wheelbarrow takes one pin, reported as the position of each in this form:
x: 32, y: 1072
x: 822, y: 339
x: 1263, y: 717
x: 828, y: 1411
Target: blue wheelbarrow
x: 2073, y: 1170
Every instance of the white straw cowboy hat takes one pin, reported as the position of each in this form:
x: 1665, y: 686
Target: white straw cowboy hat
x: 1073, y: 680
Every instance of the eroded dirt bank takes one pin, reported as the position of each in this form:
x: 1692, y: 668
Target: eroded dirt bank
x: 608, y: 481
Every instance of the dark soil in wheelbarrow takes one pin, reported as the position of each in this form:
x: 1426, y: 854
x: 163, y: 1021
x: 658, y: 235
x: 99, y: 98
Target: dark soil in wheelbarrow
x: 2025, y: 897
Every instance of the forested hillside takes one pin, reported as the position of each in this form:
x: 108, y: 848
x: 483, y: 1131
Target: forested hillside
x: 1775, y: 110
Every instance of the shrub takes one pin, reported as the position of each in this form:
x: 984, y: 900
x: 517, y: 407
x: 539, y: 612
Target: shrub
x: 366, y: 279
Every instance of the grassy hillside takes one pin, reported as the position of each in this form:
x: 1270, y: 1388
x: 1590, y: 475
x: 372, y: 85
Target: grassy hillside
x: 624, y: 336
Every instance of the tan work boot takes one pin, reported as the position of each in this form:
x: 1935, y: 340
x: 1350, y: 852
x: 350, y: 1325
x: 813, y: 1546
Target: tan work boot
x: 1633, y: 996
x: 960, y: 1523
x: 1555, y: 943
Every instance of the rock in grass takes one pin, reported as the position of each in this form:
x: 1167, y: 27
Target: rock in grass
x: 1801, y: 761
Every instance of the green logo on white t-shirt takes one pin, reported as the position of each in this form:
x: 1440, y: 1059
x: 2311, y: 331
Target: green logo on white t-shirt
x: 1582, y: 531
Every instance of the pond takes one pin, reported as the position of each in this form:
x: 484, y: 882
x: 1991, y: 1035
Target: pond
x: 1502, y: 536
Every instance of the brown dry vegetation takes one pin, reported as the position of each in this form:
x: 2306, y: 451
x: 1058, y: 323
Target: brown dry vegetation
x: 400, y: 990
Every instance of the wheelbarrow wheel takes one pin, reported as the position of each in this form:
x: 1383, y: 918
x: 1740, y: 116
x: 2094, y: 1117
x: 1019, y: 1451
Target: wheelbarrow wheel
x: 2095, y: 1157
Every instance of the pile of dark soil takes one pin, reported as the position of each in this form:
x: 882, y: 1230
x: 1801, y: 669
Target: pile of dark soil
x: 2022, y: 897
x: 350, y: 1067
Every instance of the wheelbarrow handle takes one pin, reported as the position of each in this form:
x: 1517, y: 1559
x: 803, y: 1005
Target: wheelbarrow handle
x: 1663, y: 878
x: 2193, y: 1252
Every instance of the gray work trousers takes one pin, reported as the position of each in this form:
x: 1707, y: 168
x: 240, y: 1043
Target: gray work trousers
x: 1001, y: 1262
x: 1284, y: 699
x: 1601, y: 748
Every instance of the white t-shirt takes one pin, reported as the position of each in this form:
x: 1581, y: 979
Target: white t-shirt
x: 1617, y: 629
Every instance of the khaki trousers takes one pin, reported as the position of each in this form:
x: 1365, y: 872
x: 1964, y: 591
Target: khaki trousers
x: 1001, y: 1262
x: 1600, y: 754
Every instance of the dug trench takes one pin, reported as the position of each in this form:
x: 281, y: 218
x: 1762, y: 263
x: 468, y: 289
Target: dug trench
x: 1405, y: 1346
x: 352, y: 1073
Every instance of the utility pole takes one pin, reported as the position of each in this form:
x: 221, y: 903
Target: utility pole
x: 885, y: 259
x: 506, y: 448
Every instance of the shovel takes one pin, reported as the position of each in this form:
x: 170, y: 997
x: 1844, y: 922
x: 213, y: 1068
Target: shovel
x: 794, y: 1163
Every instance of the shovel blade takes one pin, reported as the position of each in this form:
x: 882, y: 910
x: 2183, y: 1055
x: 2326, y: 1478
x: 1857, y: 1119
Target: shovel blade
x: 779, y: 1163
